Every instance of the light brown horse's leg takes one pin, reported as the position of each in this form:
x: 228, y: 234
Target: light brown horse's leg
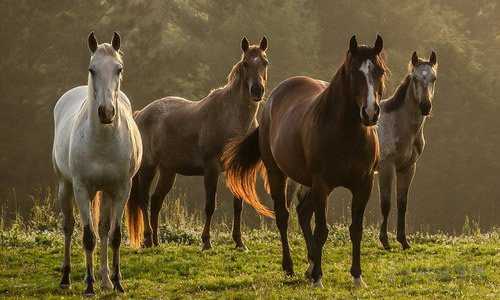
x: 277, y: 185
x: 65, y: 195
x: 360, y: 197
x: 386, y: 176
x: 238, y: 208
x: 403, y: 186
x: 164, y: 186
x: 210, y: 179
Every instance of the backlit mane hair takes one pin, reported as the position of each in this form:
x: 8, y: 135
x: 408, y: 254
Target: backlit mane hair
x: 397, y: 100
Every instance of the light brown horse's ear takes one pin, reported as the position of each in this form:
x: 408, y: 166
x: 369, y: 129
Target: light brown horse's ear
x: 379, y: 45
x: 244, y: 44
x: 353, y: 45
x: 414, y: 58
x: 263, y: 44
x: 433, y: 58
x: 92, y: 43
x: 116, y: 41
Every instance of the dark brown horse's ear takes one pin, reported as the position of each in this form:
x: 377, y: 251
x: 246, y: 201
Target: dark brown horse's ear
x: 414, y: 58
x: 244, y: 44
x: 92, y: 43
x: 116, y: 41
x: 263, y: 44
x: 379, y: 45
x: 433, y: 58
x: 353, y: 44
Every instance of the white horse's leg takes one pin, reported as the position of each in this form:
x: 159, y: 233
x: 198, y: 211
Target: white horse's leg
x: 118, y: 205
x: 104, y: 224
x: 83, y: 198
x: 65, y: 193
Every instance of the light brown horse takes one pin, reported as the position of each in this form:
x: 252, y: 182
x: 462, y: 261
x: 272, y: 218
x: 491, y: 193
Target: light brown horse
x: 321, y: 135
x: 187, y: 137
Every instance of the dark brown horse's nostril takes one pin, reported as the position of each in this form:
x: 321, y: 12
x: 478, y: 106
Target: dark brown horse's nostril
x: 425, y: 107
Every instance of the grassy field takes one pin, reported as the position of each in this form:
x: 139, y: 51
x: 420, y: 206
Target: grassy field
x: 437, y: 266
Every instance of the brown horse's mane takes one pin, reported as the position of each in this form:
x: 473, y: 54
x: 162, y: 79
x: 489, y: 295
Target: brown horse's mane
x: 397, y: 100
x: 233, y: 79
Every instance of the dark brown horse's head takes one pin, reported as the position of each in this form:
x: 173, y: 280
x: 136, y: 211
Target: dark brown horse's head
x: 423, y: 74
x: 367, y: 73
x: 254, y: 68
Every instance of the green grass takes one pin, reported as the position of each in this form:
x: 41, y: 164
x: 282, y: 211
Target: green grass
x: 437, y: 266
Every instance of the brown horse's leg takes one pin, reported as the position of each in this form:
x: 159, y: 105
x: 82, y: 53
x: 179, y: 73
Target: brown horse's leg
x: 318, y: 197
x: 359, y: 200
x: 65, y: 193
x: 211, y: 178
x: 145, y: 178
x: 238, y: 208
x: 305, y: 212
x: 385, y: 182
x: 403, y: 186
x: 164, y: 185
x: 277, y: 184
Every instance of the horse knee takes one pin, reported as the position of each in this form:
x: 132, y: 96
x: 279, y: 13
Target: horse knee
x: 116, y: 238
x: 68, y: 227
x: 89, y: 239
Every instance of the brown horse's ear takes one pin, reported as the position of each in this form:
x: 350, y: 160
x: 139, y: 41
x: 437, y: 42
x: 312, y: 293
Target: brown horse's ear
x: 116, y: 41
x: 379, y: 45
x: 414, y: 58
x: 263, y: 44
x: 244, y: 44
x: 433, y: 58
x: 353, y: 45
x: 92, y: 43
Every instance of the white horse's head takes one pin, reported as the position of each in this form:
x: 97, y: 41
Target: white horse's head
x: 105, y: 71
x: 423, y: 74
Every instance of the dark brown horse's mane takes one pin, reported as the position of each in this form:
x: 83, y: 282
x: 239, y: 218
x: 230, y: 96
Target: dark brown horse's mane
x: 397, y: 100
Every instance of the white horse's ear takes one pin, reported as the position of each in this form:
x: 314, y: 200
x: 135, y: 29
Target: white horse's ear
x: 116, y: 41
x: 92, y: 43
x: 414, y: 58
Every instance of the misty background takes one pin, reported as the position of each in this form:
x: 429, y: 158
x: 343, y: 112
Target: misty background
x: 187, y: 47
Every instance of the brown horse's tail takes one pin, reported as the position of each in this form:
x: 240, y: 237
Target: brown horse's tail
x: 96, y: 210
x: 135, y: 221
x: 242, y: 162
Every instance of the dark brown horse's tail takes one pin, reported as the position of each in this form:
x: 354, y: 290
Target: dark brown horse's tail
x: 242, y: 162
x: 135, y: 221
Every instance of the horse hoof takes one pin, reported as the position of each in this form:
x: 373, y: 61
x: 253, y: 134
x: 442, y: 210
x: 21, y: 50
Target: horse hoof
x: 206, y: 246
x: 89, y: 292
x: 385, y: 242
x: 405, y: 245
x: 119, y: 288
x: 106, y: 284
x: 318, y: 284
x: 65, y: 286
x: 241, y: 247
x: 358, y: 282
x: 309, y: 271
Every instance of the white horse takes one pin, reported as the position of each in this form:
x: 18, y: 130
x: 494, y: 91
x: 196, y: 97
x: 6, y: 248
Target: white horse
x: 97, y: 150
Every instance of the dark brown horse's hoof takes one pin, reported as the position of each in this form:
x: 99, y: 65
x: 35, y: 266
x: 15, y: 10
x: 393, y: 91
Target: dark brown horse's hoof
x: 308, y: 273
x: 405, y: 245
x: 385, y: 242
x: 65, y: 286
x: 206, y: 246
x: 241, y: 247
x: 117, y: 286
x: 89, y: 291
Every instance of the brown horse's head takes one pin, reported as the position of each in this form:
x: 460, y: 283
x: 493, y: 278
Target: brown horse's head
x: 423, y: 74
x: 367, y: 73
x: 254, y: 68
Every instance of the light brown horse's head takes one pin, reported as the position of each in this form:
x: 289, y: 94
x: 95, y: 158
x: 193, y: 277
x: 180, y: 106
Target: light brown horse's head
x: 254, y: 68
x: 423, y: 78
x: 105, y: 69
x: 367, y: 73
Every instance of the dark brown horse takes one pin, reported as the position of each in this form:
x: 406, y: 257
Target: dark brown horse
x: 187, y: 137
x: 321, y: 135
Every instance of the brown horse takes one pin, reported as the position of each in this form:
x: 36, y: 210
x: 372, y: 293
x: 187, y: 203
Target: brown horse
x: 321, y: 135
x: 187, y: 137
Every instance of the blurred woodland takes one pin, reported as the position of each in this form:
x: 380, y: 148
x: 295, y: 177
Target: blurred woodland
x: 187, y: 47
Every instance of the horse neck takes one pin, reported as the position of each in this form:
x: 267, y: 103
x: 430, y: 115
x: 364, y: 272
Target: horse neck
x: 241, y: 103
x: 410, y: 112
x: 338, y: 108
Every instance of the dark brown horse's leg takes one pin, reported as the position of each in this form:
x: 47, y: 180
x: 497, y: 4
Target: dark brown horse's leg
x: 305, y: 212
x: 165, y: 183
x: 318, y: 198
x: 403, y: 186
x: 144, y: 180
x: 211, y: 178
x: 277, y: 184
x: 238, y: 208
x: 359, y: 200
x: 386, y: 178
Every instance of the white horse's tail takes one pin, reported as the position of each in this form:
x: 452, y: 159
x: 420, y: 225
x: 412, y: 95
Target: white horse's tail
x: 96, y: 212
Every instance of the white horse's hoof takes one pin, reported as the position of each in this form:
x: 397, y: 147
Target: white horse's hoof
x: 106, y: 284
x: 318, y: 284
x: 358, y: 282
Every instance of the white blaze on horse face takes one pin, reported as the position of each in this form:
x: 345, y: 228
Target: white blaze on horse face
x: 366, y: 68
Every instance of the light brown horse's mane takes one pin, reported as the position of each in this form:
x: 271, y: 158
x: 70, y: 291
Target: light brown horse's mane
x: 233, y: 78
